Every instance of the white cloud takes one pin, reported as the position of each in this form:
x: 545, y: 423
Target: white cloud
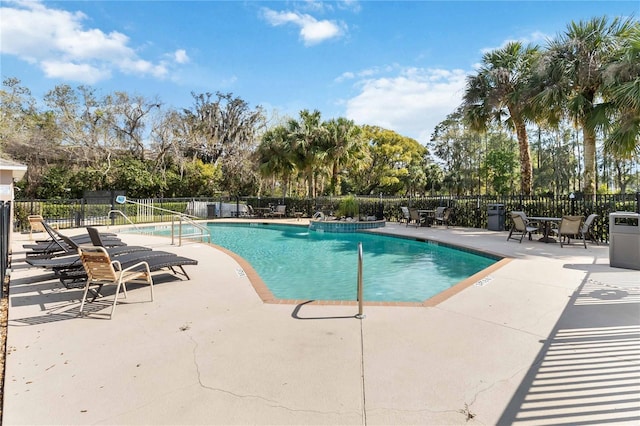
x: 353, y: 5
x: 76, y: 72
x: 181, y: 56
x: 57, y: 42
x: 348, y: 75
x: 139, y: 66
x: 312, y: 31
x: 412, y: 102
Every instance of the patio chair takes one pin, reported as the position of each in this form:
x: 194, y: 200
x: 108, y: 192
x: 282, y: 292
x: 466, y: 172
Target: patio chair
x: 442, y: 215
x: 279, y: 211
x: 520, y: 226
x: 406, y: 216
x: 570, y: 227
x: 415, y: 217
x: 101, y: 270
x: 587, y: 229
x: 35, y: 224
x: 249, y: 213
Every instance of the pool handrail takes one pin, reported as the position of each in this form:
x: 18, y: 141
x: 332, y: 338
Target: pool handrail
x: 204, y: 231
x: 124, y: 216
x: 360, y: 314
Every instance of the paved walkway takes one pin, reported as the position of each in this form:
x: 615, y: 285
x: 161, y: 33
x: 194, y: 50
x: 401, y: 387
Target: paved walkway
x: 552, y: 337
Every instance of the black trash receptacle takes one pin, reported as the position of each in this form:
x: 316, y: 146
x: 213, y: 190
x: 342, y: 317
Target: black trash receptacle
x: 211, y: 211
x: 495, y: 217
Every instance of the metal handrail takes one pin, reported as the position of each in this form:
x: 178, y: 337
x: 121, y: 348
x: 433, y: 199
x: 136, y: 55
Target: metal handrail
x: 125, y: 217
x: 360, y: 314
x: 181, y: 217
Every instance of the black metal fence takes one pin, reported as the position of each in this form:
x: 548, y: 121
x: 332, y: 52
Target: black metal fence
x: 467, y: 211
x: 5, y: 231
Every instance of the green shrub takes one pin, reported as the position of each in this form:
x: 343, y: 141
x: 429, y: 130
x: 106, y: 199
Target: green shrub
x: 348, y: 207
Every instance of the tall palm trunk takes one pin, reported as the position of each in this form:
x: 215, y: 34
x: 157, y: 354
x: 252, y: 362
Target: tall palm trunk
x: 335, y: 179
x: 526, y: 171
x: 311, y: 182
x: 589, y: 141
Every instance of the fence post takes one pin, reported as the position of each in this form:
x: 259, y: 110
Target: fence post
x: 82, y: 211
x: 5, y: 231
x: 572, y: 197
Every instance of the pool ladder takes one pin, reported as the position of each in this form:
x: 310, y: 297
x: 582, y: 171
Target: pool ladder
x: 201, y: 231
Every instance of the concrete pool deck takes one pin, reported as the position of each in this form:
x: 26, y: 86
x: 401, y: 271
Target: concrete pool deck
x: 552, y: 337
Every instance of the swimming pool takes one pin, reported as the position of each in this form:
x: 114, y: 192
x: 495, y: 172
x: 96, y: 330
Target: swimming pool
x: 296, y: 263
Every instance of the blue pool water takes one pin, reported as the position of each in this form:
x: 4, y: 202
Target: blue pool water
x: 296, y: 263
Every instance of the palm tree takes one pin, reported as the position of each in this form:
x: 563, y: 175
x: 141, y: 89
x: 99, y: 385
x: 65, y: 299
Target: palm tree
x: 274, y: 156
x: 571, y: 77
x: 622, y: 91
x: 501, y: 91
x: 344, y: 146
x: 306, y: 135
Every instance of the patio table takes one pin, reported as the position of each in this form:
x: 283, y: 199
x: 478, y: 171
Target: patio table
x: 262, y: 211
x: 428, y: 215
x: 546, y: 226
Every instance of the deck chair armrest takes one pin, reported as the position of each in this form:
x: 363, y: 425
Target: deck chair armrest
x: 116, y: 264
x: 529, y: 222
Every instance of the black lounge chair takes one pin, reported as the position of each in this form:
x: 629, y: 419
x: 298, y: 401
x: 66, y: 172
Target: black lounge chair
x: 61, y: 245
x: 156, y: 260
x: 56, y: 238
x: 73, y: 260
x: 54, y: 234
x: 38, y: 224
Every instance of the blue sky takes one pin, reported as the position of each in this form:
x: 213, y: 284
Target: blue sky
x: 397, y: 64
